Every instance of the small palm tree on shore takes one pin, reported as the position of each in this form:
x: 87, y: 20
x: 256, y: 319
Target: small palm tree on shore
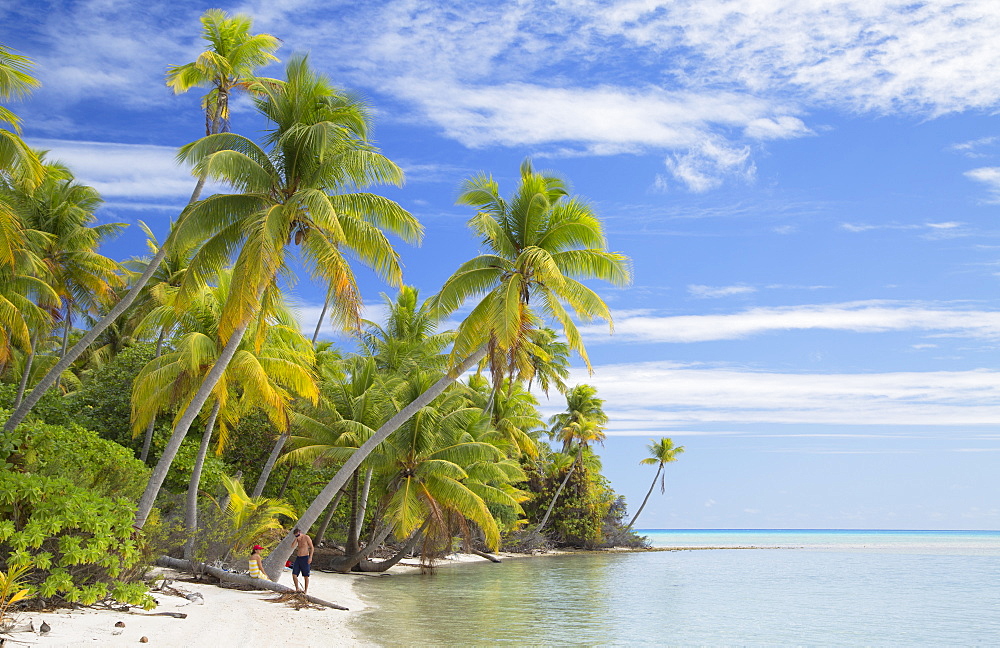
x: 661, y: 452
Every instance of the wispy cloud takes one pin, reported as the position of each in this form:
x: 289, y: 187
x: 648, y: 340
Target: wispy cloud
x: 131, y: 171
x: 720, y: 291
x: 644, y: 398
x: 989, y: 176
x: 863, y: 317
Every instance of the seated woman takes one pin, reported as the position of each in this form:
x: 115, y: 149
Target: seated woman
x: 257, y: 563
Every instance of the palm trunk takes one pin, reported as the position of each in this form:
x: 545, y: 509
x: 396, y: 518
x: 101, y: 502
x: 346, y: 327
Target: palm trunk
x: 353, y: 544
x: 322, y: 314
x: 385, y: 565
x: 329, y: 516
x: 184, y: 424
x: 265, y: 473
x: 147, y: 439
x: 17, y: 416
x: 363, y: 499
x: 65, y: 341
x: 353, y: 560
x: 191, y: 507
x: 23, y: 385
x: 276, y: 559
x: 284, y: 484
x: 635, y: 517
x: 552, y: 504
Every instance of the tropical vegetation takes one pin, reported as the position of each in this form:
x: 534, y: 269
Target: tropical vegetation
x: 146, y: 395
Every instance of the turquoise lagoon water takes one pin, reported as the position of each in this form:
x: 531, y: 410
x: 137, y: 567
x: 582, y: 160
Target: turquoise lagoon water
x: 739, y: 587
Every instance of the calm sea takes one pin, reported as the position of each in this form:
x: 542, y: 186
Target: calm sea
x: 818, y: 588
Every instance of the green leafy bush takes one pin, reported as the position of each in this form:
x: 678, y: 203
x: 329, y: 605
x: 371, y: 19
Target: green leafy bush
x: 180, y: 470
x: 81, y: 545
x: 80, y: 455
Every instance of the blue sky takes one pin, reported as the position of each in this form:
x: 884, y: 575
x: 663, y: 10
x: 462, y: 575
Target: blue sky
x: 809, y: 191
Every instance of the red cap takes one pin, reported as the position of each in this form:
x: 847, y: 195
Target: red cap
x: 258, y: 548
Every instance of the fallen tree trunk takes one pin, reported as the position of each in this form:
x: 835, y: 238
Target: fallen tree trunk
x: 483, y: 554
x: 239, y: 579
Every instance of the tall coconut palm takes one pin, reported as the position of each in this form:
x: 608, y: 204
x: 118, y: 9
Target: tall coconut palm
x: 582, y: 404
x: 61, y: 212
x: 409, y: 337
x: 267, y: 375
x: 581, y: 424
x: 298, y: 195
x: 660, y: 452
x: 541, y: 243
x: 238, y: 72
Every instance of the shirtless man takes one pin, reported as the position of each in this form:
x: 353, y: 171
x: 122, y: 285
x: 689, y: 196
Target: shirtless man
x: 303, y: 559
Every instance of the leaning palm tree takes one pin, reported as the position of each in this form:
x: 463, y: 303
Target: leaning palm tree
x: 238, y: 71
x: 541, y: 244
x: 660, y: 452
x: 297, y: 195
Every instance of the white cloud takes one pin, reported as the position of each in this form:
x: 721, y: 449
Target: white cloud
x: 135, y: 171
x: 721, y: 291
x: 863, y: 317
x: 990, y: 176
x: 647, y: 398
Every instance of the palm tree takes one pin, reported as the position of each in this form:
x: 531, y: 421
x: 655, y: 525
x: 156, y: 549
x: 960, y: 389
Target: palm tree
x: 239, y: 71
x: 541, y: 243
x: 582, y: 404
x: 660, y: 452
x: 267, y: 375
x: 582, y: 423
x: 409, y: 338
x: 16, y: 158
x: 63, y: 210
x: 226, y: 67
x: 513, y: 416
x: 549, y: 360
x: 298, y: 194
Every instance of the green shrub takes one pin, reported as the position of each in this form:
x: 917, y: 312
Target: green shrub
x: 180, y: 470
x: 81, y: 546
x: 80, y: 455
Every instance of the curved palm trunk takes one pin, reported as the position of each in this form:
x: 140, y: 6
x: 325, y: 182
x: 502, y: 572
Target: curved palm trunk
x: 17, y: 416
x: 147, y: 439
x: 385, y: 565
x: 23, y: 385
x: 265, y: 473
x: 325, y: 524
x: 350, y: 562
x: 635, y: 517
x: 191, y: 506
x: 184, y: 424
x: 552, y: 504
x: 276, y: 559
x: 65, y: 340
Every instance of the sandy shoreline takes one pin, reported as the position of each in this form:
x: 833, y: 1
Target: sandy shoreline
x: 227, y: 617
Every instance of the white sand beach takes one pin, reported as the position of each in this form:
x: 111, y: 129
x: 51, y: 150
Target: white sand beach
x: 227, y: 617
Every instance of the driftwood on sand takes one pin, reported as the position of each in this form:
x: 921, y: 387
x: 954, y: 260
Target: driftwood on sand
x: 239, y: 579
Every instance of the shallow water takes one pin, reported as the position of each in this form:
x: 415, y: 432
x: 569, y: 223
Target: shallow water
x: 811, y: 588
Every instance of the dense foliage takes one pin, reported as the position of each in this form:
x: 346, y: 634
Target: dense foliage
x: 191, y: 357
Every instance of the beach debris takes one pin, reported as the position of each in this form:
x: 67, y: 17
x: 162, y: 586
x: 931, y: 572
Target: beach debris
x: 44, y: 628
x: 143, y: 639
x: 176, y: 615
x: 120, y: 624
x: 195, y: 597
x: 297, y: 600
